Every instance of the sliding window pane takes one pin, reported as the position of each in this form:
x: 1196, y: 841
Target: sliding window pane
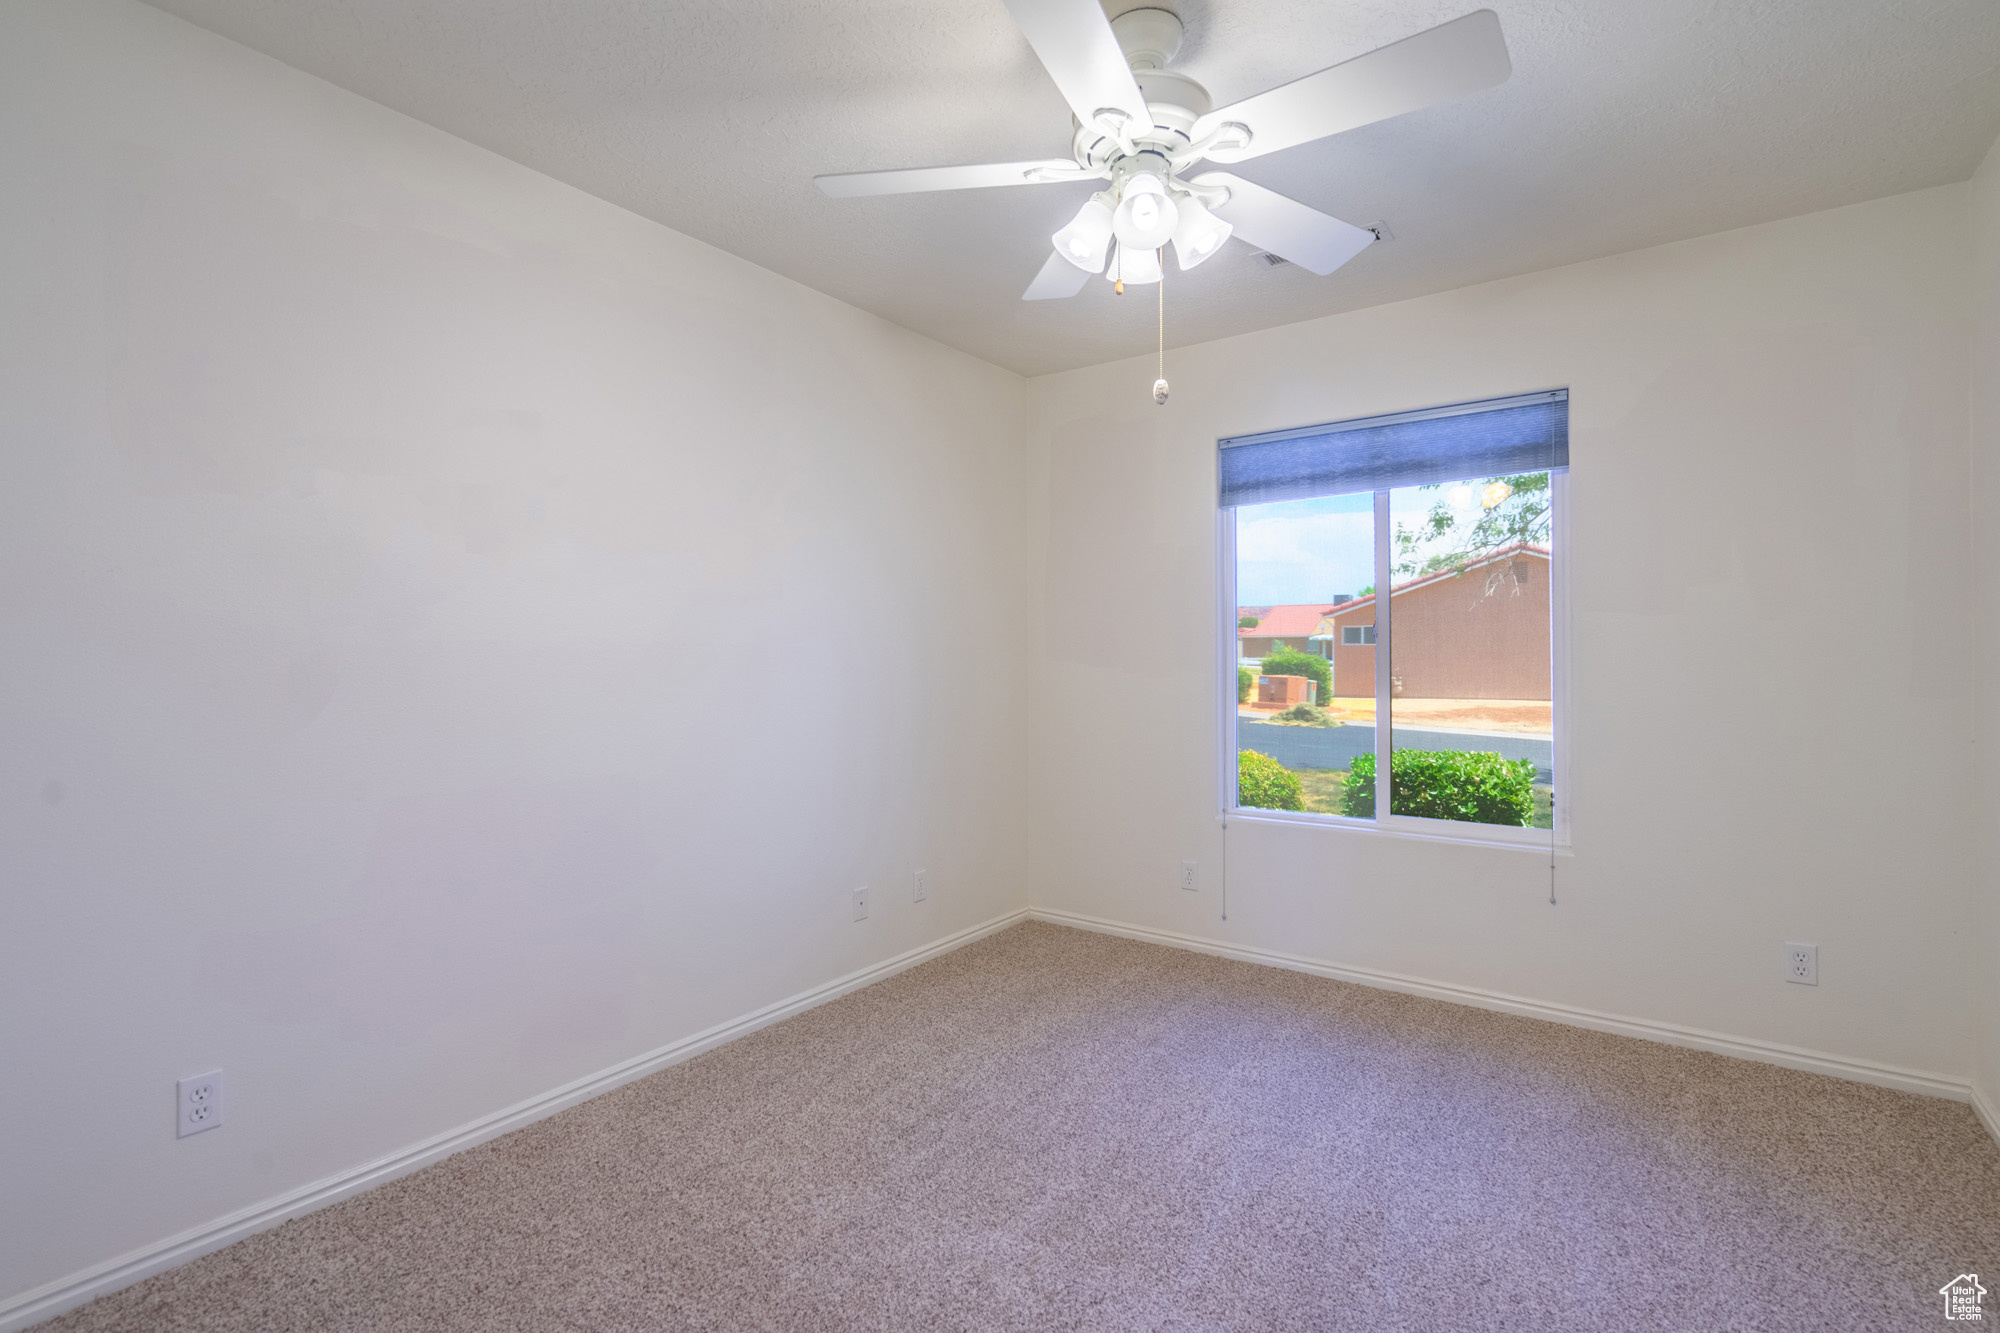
x: 1471, y: 688
x: 1305, y: 572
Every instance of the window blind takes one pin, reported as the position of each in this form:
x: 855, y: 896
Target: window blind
x: 1525, y: 433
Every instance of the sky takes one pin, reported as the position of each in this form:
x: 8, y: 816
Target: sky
x: 1308, y: 550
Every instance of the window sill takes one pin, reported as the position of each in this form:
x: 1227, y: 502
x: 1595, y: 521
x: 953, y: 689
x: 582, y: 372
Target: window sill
x: 1408, y: 829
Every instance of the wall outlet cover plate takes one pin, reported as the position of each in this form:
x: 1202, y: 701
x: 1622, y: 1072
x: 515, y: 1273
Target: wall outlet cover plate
x: 200, y: 1103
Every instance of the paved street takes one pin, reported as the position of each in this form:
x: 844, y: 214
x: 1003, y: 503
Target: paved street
x: 1335, y: 747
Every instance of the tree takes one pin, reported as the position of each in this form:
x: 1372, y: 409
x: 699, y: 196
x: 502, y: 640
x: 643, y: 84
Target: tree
x: 1248, y: 622
x: 1503, y: 510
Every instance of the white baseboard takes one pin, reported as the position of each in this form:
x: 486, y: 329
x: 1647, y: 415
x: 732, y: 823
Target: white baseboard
x: 1745, y: 1048
x: 1989, y: 1114
x: 51, y: 1299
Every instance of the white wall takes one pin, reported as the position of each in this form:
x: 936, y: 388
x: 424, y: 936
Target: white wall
x: 454, y: 634
x: 1984, y: 191
x: 1773, y: 710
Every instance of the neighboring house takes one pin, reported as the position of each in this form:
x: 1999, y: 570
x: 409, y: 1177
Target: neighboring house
x: 1480, y: 633
x: 1289, y: 626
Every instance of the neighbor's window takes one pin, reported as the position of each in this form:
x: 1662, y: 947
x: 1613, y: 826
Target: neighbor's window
x: 1449, y: 684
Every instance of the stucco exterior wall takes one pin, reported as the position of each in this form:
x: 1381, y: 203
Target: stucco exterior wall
x: 1474, y: 636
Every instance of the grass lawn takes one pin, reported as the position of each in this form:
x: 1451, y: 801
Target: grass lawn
x: 1319, y: 789
x: 1319, y: 792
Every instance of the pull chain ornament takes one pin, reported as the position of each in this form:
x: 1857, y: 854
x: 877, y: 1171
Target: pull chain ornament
x: 1160, y: 384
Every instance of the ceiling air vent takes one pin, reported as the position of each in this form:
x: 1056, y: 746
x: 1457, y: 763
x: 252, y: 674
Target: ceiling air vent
x: 1270, y: 260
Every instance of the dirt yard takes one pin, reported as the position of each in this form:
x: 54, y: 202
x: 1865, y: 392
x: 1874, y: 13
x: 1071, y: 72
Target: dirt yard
x: 1525, y: 716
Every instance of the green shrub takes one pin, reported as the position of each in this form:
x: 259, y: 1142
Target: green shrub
x: 1262, y: 783
x: 1475, y: 786
x: 1357, y: 789
x: 1305, y: 713
x: 1246, y: 680
x: 1292, y: 662
x: 1248, y: 622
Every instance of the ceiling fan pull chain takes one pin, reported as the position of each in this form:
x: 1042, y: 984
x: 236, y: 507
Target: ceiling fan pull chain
x: 1160, y: 384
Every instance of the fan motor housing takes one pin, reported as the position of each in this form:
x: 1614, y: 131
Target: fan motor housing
x: 1150, y: 39
x: 1175, y: 100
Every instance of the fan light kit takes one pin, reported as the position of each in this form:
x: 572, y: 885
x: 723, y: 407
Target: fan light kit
x: 1142, y: 127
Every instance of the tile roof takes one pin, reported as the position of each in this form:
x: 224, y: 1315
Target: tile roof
x: 1300, y: 620
x: 1398, y: 589
x: 1294, y: 621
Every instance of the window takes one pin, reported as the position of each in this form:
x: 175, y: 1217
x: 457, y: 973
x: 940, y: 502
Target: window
x: 1452, y: 683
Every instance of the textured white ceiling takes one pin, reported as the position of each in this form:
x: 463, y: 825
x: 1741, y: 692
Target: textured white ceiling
x: 1627, y: 123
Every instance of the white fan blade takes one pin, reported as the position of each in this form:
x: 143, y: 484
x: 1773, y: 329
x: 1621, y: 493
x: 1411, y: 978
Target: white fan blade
x: 1286, y: 227
x: 1058, y: 278
x: 1447, y: 62
x: 856, y: 184
x: 1074, y: 42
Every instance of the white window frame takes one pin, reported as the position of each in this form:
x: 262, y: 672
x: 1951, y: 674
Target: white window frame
x: 1364, y: 635
x: 1544, y: 841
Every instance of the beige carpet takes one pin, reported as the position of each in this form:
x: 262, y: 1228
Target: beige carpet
x: 1058, y: 1130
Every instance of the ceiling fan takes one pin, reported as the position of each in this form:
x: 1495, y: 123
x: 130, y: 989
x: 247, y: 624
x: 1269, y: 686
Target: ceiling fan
x: 1141, y: 127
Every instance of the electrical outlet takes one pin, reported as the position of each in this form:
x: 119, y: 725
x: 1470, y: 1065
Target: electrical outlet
x: 200, y: 1103
x: 1187, y: 876
x: 861, y: 903
x: 920, y: 888
x: 1802, y: 964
